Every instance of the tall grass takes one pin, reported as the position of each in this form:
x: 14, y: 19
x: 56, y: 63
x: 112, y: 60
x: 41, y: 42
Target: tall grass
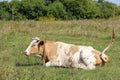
x: 16, y: 35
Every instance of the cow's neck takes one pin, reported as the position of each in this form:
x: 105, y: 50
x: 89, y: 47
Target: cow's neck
x: 43, y: 53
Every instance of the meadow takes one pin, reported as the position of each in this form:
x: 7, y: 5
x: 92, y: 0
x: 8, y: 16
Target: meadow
x: 15, y: 37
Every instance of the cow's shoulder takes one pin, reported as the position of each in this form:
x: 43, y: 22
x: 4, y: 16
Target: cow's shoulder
x: 50, y: 49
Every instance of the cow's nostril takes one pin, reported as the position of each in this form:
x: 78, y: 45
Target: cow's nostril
x: 25, y: 51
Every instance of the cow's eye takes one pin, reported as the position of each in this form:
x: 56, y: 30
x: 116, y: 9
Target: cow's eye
x: 33, y: 45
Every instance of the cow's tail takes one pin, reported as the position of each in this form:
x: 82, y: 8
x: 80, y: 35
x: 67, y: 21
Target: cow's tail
x: 103, y: 56
x: 111, y: 42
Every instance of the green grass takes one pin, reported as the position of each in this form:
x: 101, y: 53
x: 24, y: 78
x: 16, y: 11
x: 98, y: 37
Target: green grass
x: 15, y: 36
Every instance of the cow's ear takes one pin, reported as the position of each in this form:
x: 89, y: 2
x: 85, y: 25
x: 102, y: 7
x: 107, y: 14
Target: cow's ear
x: 41, y: 43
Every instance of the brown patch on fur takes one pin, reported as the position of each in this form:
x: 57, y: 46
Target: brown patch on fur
x: 70, y: 60
x: 97, y: 56
x: 72, y: 50
x: 33, y: 50
x: 50, y: 50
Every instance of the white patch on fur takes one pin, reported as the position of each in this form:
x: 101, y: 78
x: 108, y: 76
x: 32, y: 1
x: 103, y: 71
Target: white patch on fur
x: 48, y: 64
x: 88, y: 58
x: 76, y: 60
x: 62, y: 49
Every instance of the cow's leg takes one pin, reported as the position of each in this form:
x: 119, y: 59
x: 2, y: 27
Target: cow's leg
x: 77, y: 62
x: 89, y: 64
x: 83, y: 66
x: 88, y: 59
x: 79, y: 65
x: 57, y: 62
x: 48, y: 64
x: 53, y: 63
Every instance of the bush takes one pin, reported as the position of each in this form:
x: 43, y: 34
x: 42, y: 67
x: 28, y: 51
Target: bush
x: 57, y: 9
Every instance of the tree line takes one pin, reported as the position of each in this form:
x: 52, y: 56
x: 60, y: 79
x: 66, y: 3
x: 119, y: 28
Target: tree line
x: 57, y: 9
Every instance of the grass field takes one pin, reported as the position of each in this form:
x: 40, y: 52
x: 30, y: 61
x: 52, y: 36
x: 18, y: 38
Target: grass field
x: 16, y: 35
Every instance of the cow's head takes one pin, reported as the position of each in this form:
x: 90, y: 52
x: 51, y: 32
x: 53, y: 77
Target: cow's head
x: 35, y: 47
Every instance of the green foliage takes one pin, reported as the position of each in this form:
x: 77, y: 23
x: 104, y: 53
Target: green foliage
x: 4, y: 11
x: 32, y: 9
x: 107, y: 10
x: 57, y: 9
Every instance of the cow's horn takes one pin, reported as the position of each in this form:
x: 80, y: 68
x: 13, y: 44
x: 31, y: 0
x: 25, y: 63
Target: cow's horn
x: 36, y: 38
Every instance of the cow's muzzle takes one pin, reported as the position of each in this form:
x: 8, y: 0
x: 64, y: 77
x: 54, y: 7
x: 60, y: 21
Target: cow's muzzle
x: 25, y: 52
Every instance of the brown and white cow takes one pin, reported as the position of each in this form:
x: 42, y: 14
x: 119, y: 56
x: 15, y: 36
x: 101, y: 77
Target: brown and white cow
x: 67, y: 55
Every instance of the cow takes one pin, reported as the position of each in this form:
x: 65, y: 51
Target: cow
x: 62, y: 54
